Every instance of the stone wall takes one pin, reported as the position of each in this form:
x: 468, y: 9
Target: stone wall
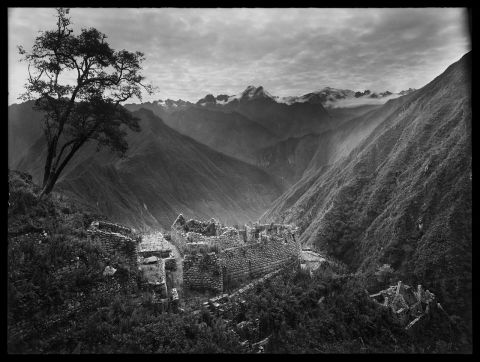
x: 224, y: 238
x: 115, y: 238
x: 113, y: 228
x: 154, y: 244
x: 231, y: 257
x: 257, y: 259
x: 202, y: 271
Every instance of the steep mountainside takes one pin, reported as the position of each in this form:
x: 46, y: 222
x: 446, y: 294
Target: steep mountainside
x: 161, y: 107
x: 341, y: 114
x: 403, y: 195
x: 239, y: 126
x: 163, y: 174
x: 227, y: 132
x: 288, y: 159
x: 155, y: 107
x: 283, y: 120
x: 243, y: 125
x: 24, y: 128
x: 294, y: 158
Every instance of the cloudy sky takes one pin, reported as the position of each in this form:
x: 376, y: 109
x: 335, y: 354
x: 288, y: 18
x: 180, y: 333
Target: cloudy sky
x: 192, y: 52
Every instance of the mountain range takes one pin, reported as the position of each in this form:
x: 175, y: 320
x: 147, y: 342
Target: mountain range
x: 242, y: 125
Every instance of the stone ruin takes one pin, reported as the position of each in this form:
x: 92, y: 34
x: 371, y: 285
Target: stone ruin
x: 115, y: 238
x: 219, y: 258
x: 151, y: 254
x: 156, y: 261
x: 153, y: 270
x: 408, y: 304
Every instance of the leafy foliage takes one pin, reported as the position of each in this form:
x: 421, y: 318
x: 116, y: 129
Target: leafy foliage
x: 303, y: 314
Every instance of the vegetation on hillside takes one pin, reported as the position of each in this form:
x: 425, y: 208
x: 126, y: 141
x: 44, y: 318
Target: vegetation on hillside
x: 402, y: 196
x: 60, y: 302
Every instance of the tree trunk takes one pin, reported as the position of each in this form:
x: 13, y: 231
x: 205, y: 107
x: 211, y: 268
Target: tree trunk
x: 48, y: 164
x: 48, y: 185
x: 53, y: 177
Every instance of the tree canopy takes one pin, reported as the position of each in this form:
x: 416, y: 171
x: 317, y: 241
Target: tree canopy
x: 79, y: 82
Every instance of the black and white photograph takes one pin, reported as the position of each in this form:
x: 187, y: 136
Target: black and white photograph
x: 239, y: 180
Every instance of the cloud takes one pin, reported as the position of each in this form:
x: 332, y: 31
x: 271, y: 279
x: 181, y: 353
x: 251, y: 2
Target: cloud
x: 191, y: 52
x: 354, y: 102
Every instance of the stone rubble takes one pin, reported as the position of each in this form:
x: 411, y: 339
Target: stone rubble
x: 109, y: 271
x: 408, y: 304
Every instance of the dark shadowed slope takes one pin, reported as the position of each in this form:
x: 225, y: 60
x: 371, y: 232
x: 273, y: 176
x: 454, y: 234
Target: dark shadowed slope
x: 342, y: 114
x: 403, y: 195
x: 288, y: 159
x: 294, y: 158
x: 227, y: 132
x: 164, y: 173
x: 258, y: 139
x: 24, y: 128
x: 283, y: 120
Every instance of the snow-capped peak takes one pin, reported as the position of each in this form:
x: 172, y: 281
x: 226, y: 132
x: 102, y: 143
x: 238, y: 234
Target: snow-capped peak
x: 252, y: 92
x: 328, y: 97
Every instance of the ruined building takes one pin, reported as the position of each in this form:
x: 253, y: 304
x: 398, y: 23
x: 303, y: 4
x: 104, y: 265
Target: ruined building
x: 157, y: 263
x: 115, y: 238
x: 220, y: 258
x: 150, y: 254
x: 408, y: 304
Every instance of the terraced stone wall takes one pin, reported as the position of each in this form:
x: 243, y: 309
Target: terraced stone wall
x: 257, y: 259
x: 115, y: 238
x: 202, y: 272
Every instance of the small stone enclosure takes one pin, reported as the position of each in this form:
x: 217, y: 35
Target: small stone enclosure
x: 220, y: 258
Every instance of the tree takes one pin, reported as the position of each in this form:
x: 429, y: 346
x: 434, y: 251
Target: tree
x: 79, y: 83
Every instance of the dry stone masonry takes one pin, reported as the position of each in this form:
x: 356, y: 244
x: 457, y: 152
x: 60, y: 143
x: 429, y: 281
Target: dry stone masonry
x: 202, y: 271
x: 115, y: 238
x: 151, y: 254
x: 219, y: 258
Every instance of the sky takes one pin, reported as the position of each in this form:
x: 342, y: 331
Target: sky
x: 193, y: 52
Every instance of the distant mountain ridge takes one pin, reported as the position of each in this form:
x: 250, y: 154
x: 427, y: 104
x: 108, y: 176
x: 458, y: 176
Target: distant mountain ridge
x: 241, y: 125
x: 327, y: 96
